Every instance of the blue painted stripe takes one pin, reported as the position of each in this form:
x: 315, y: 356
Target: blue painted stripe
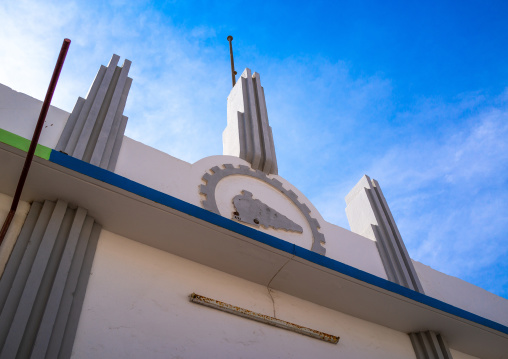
x: 195, y: 211
x: 167, y: 200
x: 395, y: 288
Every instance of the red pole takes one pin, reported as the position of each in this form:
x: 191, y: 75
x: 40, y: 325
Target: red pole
x: 35, y: 138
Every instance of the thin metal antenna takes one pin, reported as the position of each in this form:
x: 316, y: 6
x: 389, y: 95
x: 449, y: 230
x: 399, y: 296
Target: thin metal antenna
x: 233, y: 72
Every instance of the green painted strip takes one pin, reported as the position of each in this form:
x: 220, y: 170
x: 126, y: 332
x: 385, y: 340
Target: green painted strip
x: 23, y: 144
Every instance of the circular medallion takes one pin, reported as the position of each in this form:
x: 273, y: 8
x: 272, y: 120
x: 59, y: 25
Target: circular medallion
x: 211, y: 181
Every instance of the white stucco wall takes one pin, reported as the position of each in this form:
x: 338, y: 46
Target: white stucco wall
x: 14, y: 229
x: 458, y: 355
x: 19, y: 114
x: 153, y: 168
x: 462, y: 294
x: 158, y: 170
x: 180, y: 179
x: 359, y: 212
x: 165, y: 173
x: 137, y: 306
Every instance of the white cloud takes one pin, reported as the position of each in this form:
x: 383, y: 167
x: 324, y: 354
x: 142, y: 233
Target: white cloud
x: 448, y: 194
x: 30, y: 43
x: 445, y: 187
x: 179, y: 87
x: 178, y: 98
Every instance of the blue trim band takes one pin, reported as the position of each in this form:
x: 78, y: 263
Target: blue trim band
x: 395, y: 288
x: 200, y: 213
x: 167, y: 200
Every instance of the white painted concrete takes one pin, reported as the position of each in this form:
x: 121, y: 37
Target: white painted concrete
x: 248, y: 134
x: 462, y: 294
x: 14, y: 229
x: 204, y: 165
x: 458, y: 355
x: 155, y: 169
x: 158, y: 170
x: 352, y: 249
x: 137, y: 306
x: 359, y: 211
x: 19, y: 114
x: 180, y: 179
x: 231, y: 140
x: 232, y: 186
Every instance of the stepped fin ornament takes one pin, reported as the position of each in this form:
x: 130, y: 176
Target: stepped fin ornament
x: 248, y: 134
x: 369, y: 215
x: 95, y: 128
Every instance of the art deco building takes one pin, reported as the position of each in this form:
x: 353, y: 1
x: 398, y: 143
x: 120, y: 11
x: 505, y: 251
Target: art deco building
x: 121, y: 251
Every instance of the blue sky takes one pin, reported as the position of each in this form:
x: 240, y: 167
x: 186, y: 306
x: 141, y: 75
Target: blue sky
x: 414, y: 94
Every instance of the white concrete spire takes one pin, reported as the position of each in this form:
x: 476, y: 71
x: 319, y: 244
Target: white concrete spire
x: 369, y: 215
x: 248, y: 134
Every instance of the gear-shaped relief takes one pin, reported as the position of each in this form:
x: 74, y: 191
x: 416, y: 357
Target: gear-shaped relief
x: 210, y: 202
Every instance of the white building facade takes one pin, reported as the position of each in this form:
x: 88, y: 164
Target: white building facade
x: 113, y: 237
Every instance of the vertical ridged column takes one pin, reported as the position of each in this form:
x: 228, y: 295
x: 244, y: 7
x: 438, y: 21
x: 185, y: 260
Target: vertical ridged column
x: 44, y: 282
x: 94, y: 131
x: 248, y: 134
x: 429, y: 345
x: 369, y: 215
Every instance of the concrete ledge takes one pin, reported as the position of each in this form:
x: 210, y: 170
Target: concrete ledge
x: 190, y: 209
x: 167, y: 223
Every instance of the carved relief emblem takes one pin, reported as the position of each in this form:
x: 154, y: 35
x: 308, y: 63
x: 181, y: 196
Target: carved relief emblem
x: 251, y: 210
x: 255, y: 212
